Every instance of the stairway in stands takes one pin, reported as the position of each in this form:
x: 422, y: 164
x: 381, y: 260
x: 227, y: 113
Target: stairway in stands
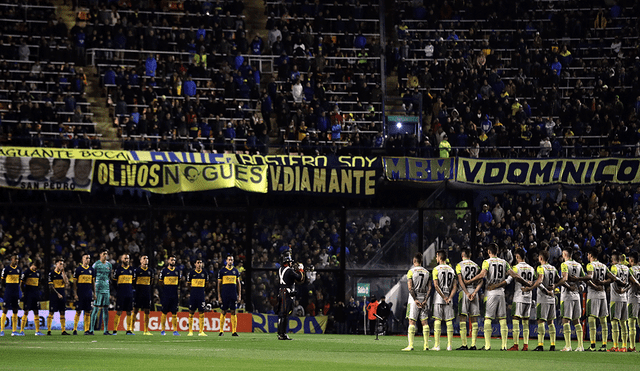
x: 99, y: 108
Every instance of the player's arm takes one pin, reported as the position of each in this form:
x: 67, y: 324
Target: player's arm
x: 239, y: 288
x: 93, y: 283
x: 53, y: 287
x: 219, y: 288
x: 517, y: 277
x: 535, y: 284
x: 189, y: 280
x: 481, y: 275
x: 613, y: 278
x: 498, y: 285
x: 632, y: 279
x: 75, y: 284
x: 436, y: 285
x: 64, y: 277
x: 461, y: 280
x: 475, y: 292
x: 412, y: 290
x: 454, y: 290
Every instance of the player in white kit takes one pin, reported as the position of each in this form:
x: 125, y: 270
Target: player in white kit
x: 521, y: 305
x: 418, y: 307
x: 445, y: 284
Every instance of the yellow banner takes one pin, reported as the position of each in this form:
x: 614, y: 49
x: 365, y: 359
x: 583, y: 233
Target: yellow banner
x: 544, y: 172
x: 66, y: 153
x: 167, y: 178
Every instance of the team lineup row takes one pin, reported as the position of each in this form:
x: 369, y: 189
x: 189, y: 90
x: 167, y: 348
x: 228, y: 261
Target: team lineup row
x: 468, y: 278
x: 91, y: 289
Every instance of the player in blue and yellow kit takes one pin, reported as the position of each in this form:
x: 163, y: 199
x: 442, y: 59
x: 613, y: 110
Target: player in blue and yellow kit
x: 83, y: 292
x: 31, y: 295
x: 170, y: 282
x: 143, y: 281
x: 229, y: 294
x: 197, y: 280
x: 58, y: 282
x: 123, y: 276
x: 11, y: 276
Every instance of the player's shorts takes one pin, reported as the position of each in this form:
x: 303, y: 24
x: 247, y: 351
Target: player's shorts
x: 124, y: 303
x: 443, y: 312
x: 416, y: 313
x: 12, y: 299
x: 468, y: 307
x: 495, y: 307
x: 546, y: 311
x: 30, y: 301
x: 521, y: 310
x: 619, y: 311
x: 170, y: 305
x: 102, y: 299
x: 597, y: 308
x: 56, y: 304
x: 142, y: 301
x: 633, y: 310
x: 229, y: 303
x: 571, y: 309
x: 83, y: 304
x: 196, y: 303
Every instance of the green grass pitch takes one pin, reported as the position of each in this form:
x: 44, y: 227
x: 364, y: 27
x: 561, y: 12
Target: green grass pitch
x: 258, y: 351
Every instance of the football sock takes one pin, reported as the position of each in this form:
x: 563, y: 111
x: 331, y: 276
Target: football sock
x: 76, y: 319
x: 130, y: 319
x: 605, y: 330
x: 540, y: 333
x: 580, y: 334
x: 411, y: 334
x: 592, y: 329
x: 474, y: 332
x: 146, y: 322
x: 174, y: 321
x: 504, y: 332
x: 625, y: 334
x: 463, y: 332
x: 552, y: 333
x: 449, y: 333
x: 163, y: 319
x: 222, y: 322
x: 190, y: 322
x: 425, y: 333
x: 25, y: 320
x: 487, y: 333
x: 87, y: 321
x: 36, y: 320
x: 14, y: 322
x: 105, y: 318
x: 94, y: 317
x: 234, y: 323
x: 632, y: 332
x: 49, y: 321
x: 3, y: 321
x: 566, y: 330
x: 201, y: 323
x: 516, y: 331
x: 437, y: 330
x: 63, y: 322
x: 116, y: 322
x: 615, y: 332
x: 525, y: 331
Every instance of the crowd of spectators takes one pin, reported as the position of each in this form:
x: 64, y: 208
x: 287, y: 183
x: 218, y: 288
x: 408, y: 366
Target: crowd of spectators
x: 555, y: 77
x: 43, y: 101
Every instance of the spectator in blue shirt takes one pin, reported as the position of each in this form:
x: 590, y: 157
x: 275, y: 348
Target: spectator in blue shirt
x: 150, y: 66
x: 189, y: 87
x: 485, y: 215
